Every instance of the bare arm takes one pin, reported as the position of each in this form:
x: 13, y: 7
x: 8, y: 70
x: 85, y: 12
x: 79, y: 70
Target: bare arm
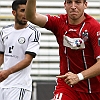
x: 71, y: 78
x: 21, y: 65
x: 33, y: 16
x: 1, y: 59
x: 92, y: 71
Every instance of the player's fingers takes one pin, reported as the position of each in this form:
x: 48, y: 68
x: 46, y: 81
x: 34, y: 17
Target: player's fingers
x: 67, y: 82
x: 67, y: 79
x: 61, y: 76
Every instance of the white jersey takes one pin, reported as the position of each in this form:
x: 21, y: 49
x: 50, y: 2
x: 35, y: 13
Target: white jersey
x: 17, y: 43
x: 1, y: 45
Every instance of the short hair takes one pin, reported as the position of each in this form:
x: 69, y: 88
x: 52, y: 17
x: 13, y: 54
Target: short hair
x: 16, y: 3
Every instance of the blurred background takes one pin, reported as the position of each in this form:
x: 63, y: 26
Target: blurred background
x: 46, y: 64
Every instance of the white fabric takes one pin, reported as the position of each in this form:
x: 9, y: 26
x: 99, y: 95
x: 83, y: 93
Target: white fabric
x: 80, y: 76
x: 1, y: 45
x: 16, y: 43
x: 73, y: 43
x: 15, y: 94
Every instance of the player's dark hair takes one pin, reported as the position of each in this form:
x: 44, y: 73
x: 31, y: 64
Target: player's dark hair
x: 83, y: 0
x: 16, y: 4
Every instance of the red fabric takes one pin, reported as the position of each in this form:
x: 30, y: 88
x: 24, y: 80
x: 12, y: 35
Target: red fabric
x: 59, y: 26
x: 67, y: 94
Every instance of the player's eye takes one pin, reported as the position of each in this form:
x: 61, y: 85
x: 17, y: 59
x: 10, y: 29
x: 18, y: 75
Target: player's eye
x: 22, y: 10
x: 77, y: 2
x: 69, y: 2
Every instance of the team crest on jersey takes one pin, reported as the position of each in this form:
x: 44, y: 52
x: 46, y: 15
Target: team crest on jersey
x: 21, y: 40
x: 85, y: 35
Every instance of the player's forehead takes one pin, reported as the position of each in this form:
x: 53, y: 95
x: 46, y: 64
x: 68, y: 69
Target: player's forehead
x: 75, y: 0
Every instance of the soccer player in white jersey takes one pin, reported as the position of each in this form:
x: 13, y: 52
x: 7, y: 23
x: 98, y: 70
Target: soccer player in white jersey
x: 20, y: 44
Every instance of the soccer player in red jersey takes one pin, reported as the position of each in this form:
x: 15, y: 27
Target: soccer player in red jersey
x: 78, y: 36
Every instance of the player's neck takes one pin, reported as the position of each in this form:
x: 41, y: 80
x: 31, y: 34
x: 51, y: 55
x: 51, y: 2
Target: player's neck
x: 77, y: 21
x: 17, y: 26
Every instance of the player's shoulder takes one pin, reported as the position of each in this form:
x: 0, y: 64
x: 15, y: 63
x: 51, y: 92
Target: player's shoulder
x: 92, y: 21
x: 63, y: 17
x: 8, y: 27
x: 32, y: 27
x: 58, y: 17
x: 33, y: 30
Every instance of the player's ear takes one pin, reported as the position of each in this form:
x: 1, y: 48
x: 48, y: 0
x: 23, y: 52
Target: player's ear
x: 65, y: 5
x: 85, y: 5
x: 14, y: 12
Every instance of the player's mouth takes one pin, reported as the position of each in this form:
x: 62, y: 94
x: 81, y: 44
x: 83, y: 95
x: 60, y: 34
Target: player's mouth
x: 73, y: 13
x: 24, y: 19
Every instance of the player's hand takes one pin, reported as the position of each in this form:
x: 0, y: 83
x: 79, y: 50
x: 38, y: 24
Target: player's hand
x: 4, y: 74
x: 70, y: 78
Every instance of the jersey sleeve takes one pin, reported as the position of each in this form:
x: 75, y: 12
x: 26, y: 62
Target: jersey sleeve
x: 34, y: 44
x: 52, y: 23
x: 95, y: 40
x: 1, y: 43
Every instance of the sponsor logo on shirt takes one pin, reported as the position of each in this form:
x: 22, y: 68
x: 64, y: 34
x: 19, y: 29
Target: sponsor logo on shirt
x: 73, y: 43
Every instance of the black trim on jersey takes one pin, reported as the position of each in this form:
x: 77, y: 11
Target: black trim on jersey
x: 1, y: 52
x: 32, y: 27
x: 8, y: 26
x: 31, y: 53
x: 22, y: 93
x: 37, y: 34
x: 85, y: 67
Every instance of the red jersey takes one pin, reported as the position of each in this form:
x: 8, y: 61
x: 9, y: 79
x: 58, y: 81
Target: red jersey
x: 79, y: 47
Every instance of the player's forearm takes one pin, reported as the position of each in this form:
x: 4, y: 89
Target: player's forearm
x: 92, y: 71
x: 18, y: 67
x: 5, y: 73
x: 30, y: 9
x: 1, y: 59
x: 21, y: 65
